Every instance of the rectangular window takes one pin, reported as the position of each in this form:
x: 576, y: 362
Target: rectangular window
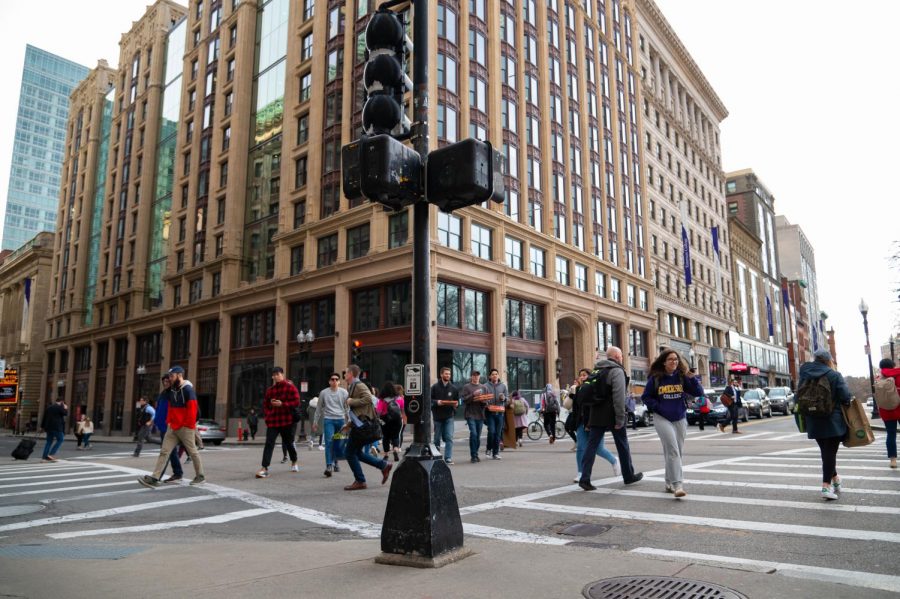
x: 366, y: 309
x: 357, y: 242
x: 297, y: 259
x: 481, y: 241
x: 450, y: 231
x: 581, y: 277
x: 538, y: 262
x: 607, y: 335
x: 514, y: 253
x: 562, y: 271
x: 399, y: 304
x: 637, y: 343
x: 447, y: 305
x: 475, y: 310
x: 327, y: 251
x: 398, y: 229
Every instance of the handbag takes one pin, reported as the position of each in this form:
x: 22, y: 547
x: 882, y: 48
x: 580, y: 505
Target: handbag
x: 368, y: 431
x: 726, y: 400
x: 296, y: 414
x: 859, y: 431
x: 799, y: 420
x: 704, y: 405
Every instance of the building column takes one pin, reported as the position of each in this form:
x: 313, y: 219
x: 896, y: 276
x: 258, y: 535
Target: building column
x: 223, y: 372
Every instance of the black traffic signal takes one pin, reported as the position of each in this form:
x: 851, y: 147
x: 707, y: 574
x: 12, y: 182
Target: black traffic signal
x: 462, y: 174
x: 356, y: 351
x: 385, y: 76
x: 383, y: 170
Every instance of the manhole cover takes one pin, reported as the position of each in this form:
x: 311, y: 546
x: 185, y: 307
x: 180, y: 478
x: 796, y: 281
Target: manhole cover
x: 584, y: 530
x: 658, y: 587
x: 68, y: 551
x: 20, y: 510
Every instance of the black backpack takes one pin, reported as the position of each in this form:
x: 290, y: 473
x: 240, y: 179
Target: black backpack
x: 814, y: 397
x: 393, y: 415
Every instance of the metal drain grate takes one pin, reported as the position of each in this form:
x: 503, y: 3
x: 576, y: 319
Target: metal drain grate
x: 658, y: 587
x: 584, y: 530
x: 68, y: 551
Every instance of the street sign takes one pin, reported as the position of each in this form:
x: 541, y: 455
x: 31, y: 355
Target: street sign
x: 413, y: 379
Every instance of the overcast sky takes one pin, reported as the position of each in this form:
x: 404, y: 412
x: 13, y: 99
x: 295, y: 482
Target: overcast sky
x: 810, y: 86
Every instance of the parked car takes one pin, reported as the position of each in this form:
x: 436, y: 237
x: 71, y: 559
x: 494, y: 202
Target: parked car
x: 210, y: 431
x: 781, y: 399
x: 717, y: 412
x: 757, y: 403
x: 642, y: 415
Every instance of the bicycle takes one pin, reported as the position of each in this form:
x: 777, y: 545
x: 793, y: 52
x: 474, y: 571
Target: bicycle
x: 536, y: 428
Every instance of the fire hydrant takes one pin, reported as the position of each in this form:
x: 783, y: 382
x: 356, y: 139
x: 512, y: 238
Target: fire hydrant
x: 240, y: 432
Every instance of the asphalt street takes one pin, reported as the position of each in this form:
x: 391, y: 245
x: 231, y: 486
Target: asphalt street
x: 753, y: 504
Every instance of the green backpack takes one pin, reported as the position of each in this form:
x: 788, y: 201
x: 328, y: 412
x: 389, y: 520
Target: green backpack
x: 814, y: 397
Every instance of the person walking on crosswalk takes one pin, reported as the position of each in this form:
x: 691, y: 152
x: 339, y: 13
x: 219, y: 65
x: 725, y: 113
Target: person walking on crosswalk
x: 890, y: 416
x: 664, y: 395
x: 828, y: 430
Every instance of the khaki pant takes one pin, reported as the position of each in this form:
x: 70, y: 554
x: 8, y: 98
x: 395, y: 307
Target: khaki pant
x: 185, y: 436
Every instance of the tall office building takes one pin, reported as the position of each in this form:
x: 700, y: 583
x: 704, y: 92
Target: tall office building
x: 210, y: 229
x: 686, y: 187
x: 39, y: 146
x: 763, y: 338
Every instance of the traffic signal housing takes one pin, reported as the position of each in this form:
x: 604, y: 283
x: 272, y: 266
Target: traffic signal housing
x: 384, y: 76
x: 462, y: 174
x: 382, y: 169
x: 356, y: 351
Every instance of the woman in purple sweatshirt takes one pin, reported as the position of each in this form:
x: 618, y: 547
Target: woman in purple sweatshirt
x: 664, y: 396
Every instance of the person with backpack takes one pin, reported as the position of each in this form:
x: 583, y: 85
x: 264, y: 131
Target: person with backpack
x: 820, y: 393
x: 363, y: 429
x: 664, y: 396
x: 550, y: 410
x: 885, y: 401
x: 159, y: 419
x: 733, y: 390
x: 604, y: 405
x: 145, y: 416
x: 54, y: 424
x: 582, y: 413
x: 390, y: 409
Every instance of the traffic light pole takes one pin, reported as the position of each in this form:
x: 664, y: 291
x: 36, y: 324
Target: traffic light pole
x: 422, y: 525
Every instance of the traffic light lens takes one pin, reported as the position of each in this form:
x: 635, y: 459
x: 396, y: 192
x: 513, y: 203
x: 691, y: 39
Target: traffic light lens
x: 384, y: 30
x: 381, y: 113
x: 384, y: 69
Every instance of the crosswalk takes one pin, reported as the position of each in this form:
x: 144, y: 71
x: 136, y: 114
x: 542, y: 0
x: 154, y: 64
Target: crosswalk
x: 769, y: 498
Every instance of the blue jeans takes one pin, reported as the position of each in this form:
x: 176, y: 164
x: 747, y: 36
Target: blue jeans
x: 57, y: 436
x: 495, y: 430
x: 443, y: 432
x: 475, y: 427
x: 890, y: 426
x: 595, y: 438
x: 581, y: 436
x: 332, y: 426
x: 357, y: 454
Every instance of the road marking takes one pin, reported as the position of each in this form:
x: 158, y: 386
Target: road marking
x: 742, y: 437
x: 818, y: 466
x: 752, y: 485
x: 61, y: 467
x: 869, y: 580
x: 107, y: 494
x: 785, y: 474
x: 720, y: 499
x: 789, y: 436
x: 104, y: 513
x: 3, y: 480
x: 68, y: 480
x: 220, y: 519
x: 61, y: 489
x: 840, y: 460
x: 512, y: 536
x: 723, y: 523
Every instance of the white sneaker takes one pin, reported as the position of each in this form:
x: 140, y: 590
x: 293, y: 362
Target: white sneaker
x: 321, y: 448
x: 828, y: 494
x: 577, y: 478
x: 679, y: 492
x: 617, y: 470
x: 295, y: 467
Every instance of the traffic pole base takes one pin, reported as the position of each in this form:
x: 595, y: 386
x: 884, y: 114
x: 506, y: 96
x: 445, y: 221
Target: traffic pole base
x: 417, y: 561
x: 422, y: 525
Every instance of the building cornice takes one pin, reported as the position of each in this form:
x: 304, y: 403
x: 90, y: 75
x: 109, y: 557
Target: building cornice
x: 659, y: 23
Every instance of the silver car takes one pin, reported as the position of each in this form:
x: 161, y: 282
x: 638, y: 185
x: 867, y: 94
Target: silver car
x: 757, y: 403
x: 210, y: 431
x: 781, y: 399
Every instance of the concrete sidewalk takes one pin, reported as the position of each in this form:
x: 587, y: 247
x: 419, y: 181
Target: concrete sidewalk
x: 347, y: 569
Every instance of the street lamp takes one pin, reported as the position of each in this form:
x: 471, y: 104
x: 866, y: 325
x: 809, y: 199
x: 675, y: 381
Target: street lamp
x: 305, y: 341
x: 891, y: 341
x: 864, y: 310
x: 141, y: 370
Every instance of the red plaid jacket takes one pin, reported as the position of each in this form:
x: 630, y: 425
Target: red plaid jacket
x: 280, y: 416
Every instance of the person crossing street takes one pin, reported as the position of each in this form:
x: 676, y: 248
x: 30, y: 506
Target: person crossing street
x: 280, y: 400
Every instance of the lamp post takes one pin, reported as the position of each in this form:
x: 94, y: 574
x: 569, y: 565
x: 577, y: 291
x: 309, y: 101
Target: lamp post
x: 305, y: 341
x: 864, y: 310
x: 141, y: 370
x: 891, y: 341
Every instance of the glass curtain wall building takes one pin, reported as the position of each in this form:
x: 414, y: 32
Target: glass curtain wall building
x: 39, y: 145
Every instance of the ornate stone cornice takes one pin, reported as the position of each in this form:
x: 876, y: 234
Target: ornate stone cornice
x: 658, y: 21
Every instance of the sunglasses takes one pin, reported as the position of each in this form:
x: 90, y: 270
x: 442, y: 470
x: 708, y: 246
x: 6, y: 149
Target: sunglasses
x: 334, y: 378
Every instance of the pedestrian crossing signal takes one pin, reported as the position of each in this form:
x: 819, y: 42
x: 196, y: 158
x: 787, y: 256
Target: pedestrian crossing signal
x: 356, y: 351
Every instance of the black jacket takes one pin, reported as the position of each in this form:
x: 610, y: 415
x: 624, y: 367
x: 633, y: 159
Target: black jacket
x: 54, y: 418
x: 606, y: 403
x: 442, y: 392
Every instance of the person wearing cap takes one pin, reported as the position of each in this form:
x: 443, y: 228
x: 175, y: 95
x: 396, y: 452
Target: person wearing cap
x: 278, y: 410
x: 829, y: 430
x: 181, y: 420
x: 159, y: 419
x: 473, y: 412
